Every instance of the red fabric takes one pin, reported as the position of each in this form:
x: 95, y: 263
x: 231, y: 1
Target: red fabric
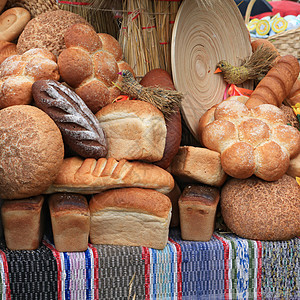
x: 283, y: 7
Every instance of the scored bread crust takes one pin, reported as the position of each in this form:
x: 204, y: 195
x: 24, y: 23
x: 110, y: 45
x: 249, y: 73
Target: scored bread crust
x: 92, y: 176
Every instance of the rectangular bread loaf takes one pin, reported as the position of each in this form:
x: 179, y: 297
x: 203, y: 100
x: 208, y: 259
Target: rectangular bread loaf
x: 91, y: 176
x: 197, y: 210
x: 196, y: 164
x: 23, y: 223
x: 130, y: 217
x: 70, y: 219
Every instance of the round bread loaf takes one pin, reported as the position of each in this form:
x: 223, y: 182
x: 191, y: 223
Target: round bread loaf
x: 47, y: 31
x: 260, y: 210
x: 32, y: 151
x: 161, y: 78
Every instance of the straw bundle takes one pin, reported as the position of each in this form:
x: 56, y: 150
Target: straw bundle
x: 101, y: 14
x: 35, y: 7
x: 138, y: 37
x: 165, y: 13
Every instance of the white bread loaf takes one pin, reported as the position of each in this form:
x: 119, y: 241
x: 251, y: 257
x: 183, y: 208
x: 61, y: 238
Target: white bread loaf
x: 195, y: 164
x: 12, y: 23
x: 19, y: 72
x: 131, y: 217
x: 197, y: 208
x: 70, y: 219
x: 23, y: 223
x: 92, y: 176
x: 253, y: 141
x: 91, y: 64
x: 134, y: 130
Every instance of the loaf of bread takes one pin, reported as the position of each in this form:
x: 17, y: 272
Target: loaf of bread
x: 19, y: 72
x: 294, y: 167
x: 255, y: 141
x: 260, y: 210
x: 32, y: 151
x: 134, y: 129
x: 47, y: 31
x: 294, y: 96
x: 7, y: 49
x: 78, y: 125
x: 195, y: 164
x: 197, y: 211
x: 277, y: 84
x: 23, y: 223
x: 12, y: 23
x: 92, y: 176
x: 130, y: 217
x: 70, y: 220
x: 162, y: 79
x: 91, y: 64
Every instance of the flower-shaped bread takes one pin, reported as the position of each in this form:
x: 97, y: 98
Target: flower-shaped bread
x: 253, y: 141
x: 91, y: 64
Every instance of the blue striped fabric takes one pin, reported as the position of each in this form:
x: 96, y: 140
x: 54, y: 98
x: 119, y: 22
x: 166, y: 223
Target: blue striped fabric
x: 202, y: 268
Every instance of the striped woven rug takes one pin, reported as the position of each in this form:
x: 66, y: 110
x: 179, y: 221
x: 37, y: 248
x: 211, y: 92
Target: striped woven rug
x: 226, y: 267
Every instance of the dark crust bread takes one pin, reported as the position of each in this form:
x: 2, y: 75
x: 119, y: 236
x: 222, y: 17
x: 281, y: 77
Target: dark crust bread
x: 47, y: 31
x: 260, y: 210
x: 79, y: 126
x: 31, y: 203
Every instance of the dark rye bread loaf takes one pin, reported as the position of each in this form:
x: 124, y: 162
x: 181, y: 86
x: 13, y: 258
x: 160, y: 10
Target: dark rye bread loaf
x: 78, y: 125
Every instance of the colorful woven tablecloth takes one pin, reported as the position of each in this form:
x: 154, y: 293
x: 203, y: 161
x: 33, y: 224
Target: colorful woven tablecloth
x: 226, y: 267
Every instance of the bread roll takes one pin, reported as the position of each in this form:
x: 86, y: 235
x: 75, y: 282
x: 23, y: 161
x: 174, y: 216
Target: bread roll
x: 197, y: 210
x: 47, y: 31
x: 91, y: 64
x: 294, y: 167
x: 32, y: 151
x: 252, y: 141
x: 78, y: 125
x: 23, y: 223
x: 7, y: 49
x: 134, y: 130
x: 130, y: 217
x: 161, y: 78
x: 70, y: 219
x: 260, y: 210
x: 19, y: 72
x: 195, y: 164
x: 12, y: 23
x: 92, y: 176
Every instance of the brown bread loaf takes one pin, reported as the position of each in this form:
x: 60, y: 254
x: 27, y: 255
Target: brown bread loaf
x: 277, y: 84
x: 131, y: 217
x: 70, y: 219
x: 92, y: 176
x: 197, y: 207
x: 23, y: 223
x: 78, y: 125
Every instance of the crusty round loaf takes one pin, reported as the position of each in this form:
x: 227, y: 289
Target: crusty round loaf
x: 260, y: 210
x: 47, y: 31
x: 32, y: 151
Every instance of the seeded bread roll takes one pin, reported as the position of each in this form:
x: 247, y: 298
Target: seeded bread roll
x: 260, y: 210
x: 70, y: 219
x: 47, y: 31
x: 197, y: 208
x: 32, y: 151
x: 23, y: 223
x: 131, y: 217
x: 78, y: 125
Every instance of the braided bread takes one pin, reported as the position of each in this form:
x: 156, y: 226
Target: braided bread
x: 78, y: 125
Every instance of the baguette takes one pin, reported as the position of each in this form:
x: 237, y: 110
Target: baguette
x: 277, y: 84
x: 92, y: 176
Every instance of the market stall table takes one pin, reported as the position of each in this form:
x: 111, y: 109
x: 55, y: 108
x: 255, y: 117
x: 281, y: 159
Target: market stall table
x: 226, y: 267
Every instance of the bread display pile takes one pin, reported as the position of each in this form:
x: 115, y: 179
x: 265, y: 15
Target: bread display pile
x: 113, y: 171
